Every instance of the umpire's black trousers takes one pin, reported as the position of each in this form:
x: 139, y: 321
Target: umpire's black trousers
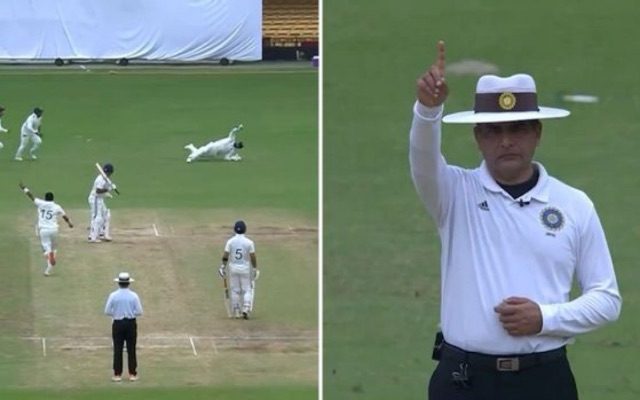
x: 124, y: 330
x: 464, y: 375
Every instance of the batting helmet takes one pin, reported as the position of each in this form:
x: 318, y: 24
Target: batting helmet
x: 238, y: 145
x: 107, y: 168
x: 239, y: 227
x: 38, y: 111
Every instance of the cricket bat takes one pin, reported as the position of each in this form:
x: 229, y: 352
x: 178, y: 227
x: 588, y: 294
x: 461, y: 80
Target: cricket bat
x: 227, y: 301
x: 99, y: 167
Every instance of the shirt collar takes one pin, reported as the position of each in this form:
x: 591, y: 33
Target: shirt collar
x: 539, y: 192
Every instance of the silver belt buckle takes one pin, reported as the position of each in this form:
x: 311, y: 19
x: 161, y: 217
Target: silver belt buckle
x: 508, y: 364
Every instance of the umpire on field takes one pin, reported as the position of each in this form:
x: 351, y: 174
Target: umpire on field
x: 123, y: 305
x: 513, y: 239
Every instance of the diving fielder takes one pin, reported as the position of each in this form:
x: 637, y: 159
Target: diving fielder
x: 100, y: 214
x: 240, y: 266
x: 30, y: 132
x: 48, y: 213
x: 222, y: 149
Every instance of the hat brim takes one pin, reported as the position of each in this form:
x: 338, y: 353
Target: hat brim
x: 472, y: 117
x: 119, y: 281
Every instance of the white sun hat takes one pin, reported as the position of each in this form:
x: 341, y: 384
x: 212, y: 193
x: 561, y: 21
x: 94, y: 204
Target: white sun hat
x: 507, y: 99
x: 123, y: 277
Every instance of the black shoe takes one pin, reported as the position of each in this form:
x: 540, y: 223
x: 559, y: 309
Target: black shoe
x: 245, y: 315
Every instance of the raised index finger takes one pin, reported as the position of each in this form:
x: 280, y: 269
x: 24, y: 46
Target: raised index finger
x: 440, y: 61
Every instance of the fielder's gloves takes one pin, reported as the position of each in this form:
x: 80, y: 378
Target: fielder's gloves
x: 113, y: 186
x: 222, y: 272
x: 2, y: 130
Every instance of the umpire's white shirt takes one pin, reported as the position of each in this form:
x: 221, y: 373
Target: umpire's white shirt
x: 240, y: 247
x: 494, y: 247
x: 123, y: 303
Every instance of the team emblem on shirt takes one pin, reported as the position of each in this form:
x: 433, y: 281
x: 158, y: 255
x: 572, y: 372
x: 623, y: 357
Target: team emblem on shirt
x: 507, y: 101
x: 552, y: 218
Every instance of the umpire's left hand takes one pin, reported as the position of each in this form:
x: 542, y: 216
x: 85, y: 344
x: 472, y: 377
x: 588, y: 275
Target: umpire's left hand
x: 520, y: 316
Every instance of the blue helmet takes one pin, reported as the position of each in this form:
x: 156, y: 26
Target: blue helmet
x: 240, y: 227
x: 107, y: 168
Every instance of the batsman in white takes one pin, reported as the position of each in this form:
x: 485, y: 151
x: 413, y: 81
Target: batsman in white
x: 221, y: 149
x: 48, y: 213
x: 30, y: 132
x: 2, y: 130
x: 240, y: 266
x: 100, y: 214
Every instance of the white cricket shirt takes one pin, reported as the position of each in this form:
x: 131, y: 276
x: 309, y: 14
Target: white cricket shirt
x: 219, y: 148
x: 48, y: 213
x: 99, y: 183
x: 32, y: 124
x: 239, y: 248
x: 494, y: 247
x: 123, y: 303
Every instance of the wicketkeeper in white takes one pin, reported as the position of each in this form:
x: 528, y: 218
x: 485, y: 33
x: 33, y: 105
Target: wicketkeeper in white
x: 2, y: 130
x: 100, y: 213
x: 48, y: 213
x: 240, y: 267
x: 30, y: 132
x: 221, y: 149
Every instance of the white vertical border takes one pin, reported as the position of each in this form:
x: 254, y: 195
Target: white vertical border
x: 320, y: 198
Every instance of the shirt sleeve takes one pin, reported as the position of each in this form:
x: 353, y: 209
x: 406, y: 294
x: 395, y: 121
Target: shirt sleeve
x: 429, y: 170
x: 227, y: 246
x: 138, y: 306
x: 31, y: 124
x: 38, y: 202
x: 252, y: 247
x: 600, y: 301
x: 108, y: 308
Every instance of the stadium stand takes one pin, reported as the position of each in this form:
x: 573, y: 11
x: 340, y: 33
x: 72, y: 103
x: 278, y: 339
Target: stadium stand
x: 289, y: 29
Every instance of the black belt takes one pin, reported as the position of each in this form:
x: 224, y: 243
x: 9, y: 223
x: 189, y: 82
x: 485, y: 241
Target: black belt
x: 510, y: 363
x: 124, y: 319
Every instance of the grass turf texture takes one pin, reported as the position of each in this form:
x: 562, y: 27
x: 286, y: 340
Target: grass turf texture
x: 381, y: 263
x: 140, y: 119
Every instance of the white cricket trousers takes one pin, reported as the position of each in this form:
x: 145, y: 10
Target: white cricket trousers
x: 241, y: 292
x: 26, y: 137
x: 100, y: 217
x: 47, y: 239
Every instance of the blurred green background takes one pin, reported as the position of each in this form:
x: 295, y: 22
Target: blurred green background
x: 381, y: 249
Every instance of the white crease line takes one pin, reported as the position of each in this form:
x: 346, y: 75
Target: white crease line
x: 215, y: 348
x: 155, y: 230
x: 193, y: 346
x: 276, y: 338
x: 44, y: 347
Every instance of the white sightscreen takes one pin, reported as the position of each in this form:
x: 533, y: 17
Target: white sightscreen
x: 185, y: 30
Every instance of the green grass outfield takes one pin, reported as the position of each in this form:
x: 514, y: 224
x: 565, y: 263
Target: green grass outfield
x: 381, y: 250
x: 169, y: 226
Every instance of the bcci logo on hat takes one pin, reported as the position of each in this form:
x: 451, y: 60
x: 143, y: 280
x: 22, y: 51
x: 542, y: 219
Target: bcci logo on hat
x: 507, y: 101
x: 552, y: 218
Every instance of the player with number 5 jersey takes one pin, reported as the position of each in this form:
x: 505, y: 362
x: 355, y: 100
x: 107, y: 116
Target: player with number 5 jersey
x: 240, y: 263
x: 48, y: 213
